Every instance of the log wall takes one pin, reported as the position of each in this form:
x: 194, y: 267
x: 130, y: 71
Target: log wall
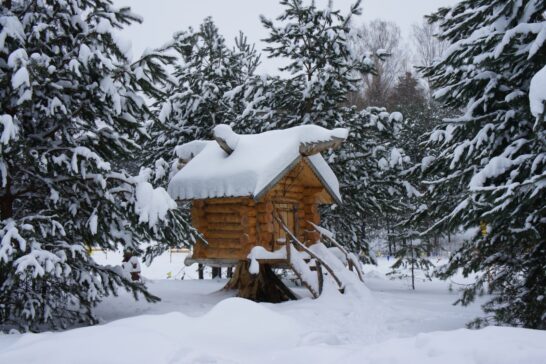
x: 232, y: 226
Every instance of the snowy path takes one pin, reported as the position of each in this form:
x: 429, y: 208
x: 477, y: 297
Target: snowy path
x: 197, y: 323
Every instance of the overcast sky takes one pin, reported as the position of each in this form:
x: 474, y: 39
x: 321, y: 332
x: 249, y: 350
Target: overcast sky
x: 162, y: 18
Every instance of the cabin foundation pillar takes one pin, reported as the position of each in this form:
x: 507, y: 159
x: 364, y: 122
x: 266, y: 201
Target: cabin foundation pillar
x: 262, y: 287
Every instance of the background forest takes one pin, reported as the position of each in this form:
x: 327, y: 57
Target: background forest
x: 445, y: 155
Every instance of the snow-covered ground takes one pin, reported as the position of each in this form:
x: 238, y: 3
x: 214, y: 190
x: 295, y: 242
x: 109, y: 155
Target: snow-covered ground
x: 197, y: 322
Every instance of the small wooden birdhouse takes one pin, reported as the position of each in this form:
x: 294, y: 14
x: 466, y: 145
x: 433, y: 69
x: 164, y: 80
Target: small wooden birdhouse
x: 239, y: 186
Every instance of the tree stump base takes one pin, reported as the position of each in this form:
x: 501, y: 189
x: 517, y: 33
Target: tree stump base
x: 262, y: 287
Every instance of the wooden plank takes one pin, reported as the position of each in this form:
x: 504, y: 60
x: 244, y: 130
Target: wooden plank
x: 295, y: 195
x: 266, y: 237
x: 231, y: 229
x: 264, y: 218
x: 267, y: 227
x: 251, y: 231
x: 265, y: 207
x: 198, y: 220
x: 277, y: 263
x: 197, y: 210
x: 225, y: 227
x: 309, y: 200
x: 248, y: 221
x: 199, y: 223
x: 291, y: 180
x: 228, y: 200
x: 225, y: 234
x: 198, y: 204
x: 252, y: 239
x: 199, y: 247
x: 225, y: 208
x: 314, y: 218
x: 244, y: 239
x: 216, y: 242
x: 227, y: 253
x: 312, y: 236
x: 310, y: 190
x: 293, y: 188
x: 310, y: 208
x: 225, y: 218
x: 286, y: 200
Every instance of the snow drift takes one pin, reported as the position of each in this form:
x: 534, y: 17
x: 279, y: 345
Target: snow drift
x: 241, y: 331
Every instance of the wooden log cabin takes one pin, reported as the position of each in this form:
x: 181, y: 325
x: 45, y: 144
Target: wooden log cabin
x: 236, y: 182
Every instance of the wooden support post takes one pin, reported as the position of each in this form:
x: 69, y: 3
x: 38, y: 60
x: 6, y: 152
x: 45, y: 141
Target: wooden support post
x: 320, y: 276
x: 262, y: 287
x: 216, y: 272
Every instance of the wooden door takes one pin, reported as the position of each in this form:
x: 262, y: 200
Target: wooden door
x: 288, y: 213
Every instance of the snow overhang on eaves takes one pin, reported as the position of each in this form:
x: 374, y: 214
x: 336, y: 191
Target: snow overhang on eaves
x: 335, y: 195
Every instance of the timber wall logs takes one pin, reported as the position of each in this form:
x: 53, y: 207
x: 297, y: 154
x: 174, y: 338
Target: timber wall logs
x: 227, y: 224
x: 233, y: 226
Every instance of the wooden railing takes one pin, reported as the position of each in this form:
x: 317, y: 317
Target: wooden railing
x: 319, y: 263
x: 350, y: 263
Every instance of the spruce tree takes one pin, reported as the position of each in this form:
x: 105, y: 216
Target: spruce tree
x: 411, y: 256
x: 489, y: 164
x: 198, y: 98
x: 72, y: 108
x: 322, y: 69
x: 321, y: 72
x: 421, y: 116
x: 370, y: 168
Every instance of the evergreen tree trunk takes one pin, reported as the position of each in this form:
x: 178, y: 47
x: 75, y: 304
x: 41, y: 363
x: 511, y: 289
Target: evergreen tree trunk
x: 200, y: 270
x: 389, y: 237
x: 412, y: 265
x: 6, y: 201
x: 6, y: 205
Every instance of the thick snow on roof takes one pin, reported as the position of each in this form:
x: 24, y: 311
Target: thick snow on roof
x: 257, y: 161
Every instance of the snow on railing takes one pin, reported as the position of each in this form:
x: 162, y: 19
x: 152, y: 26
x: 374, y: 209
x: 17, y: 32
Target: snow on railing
x: 303, y: 259
x: 318, y: 260
x: 352, y: 260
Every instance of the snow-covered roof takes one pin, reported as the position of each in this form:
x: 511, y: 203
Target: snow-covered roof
x: 249, y: 165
